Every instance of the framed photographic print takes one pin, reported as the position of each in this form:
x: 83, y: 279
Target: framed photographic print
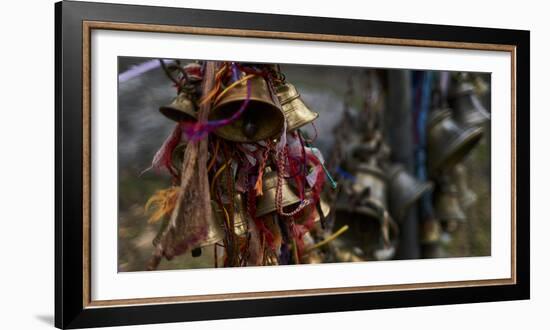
x: 218, y: 165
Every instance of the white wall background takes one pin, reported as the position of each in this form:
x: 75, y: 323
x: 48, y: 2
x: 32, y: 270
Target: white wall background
x: 27, y: 163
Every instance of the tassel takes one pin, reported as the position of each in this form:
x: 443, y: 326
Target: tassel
x: 189, y: 221
x: 163, y: 202
x: 259, y: 182
x: 163, y: 157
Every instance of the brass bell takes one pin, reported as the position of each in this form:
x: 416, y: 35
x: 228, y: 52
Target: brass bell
x: 181, y: 108
x: 215, y: 232
x: 271, y: 260
x: 312, y: 256
x: 430, y: 231
x: 366, y: 221
x: 325, y: 209
x: 448, y: 143
x: 346, y: 255
x: 240, y: 217
x: 371, y: 180
x: 240, y: 223
x: 266, y: 203
x: 322, y: 204
x: 177, y: 155
x: 384, y: 253
x: 467, y: 108
x: 262, y: 119
x: 405, y: 190
x: 447, y: 205
x: 296, y: 112
x: 467, y: 196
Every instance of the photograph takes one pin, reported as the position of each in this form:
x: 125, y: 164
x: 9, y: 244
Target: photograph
x: 244, y: 164
x: 220, y: 164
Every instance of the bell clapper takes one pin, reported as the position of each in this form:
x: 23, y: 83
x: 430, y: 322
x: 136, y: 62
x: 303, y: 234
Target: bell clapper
x: 197, y: 252
x: 250, y: 128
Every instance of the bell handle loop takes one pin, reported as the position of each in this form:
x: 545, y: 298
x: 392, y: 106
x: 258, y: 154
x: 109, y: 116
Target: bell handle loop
x: 177, y: 82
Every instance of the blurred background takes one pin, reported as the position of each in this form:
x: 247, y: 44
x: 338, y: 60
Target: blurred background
x: 345, y: 98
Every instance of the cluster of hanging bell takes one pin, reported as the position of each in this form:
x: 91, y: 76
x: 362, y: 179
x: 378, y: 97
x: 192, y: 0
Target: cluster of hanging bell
x: 376, y: 192
x: 265, y: 177
x: 455, y: 127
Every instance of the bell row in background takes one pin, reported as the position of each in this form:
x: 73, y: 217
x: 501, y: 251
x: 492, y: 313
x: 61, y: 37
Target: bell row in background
x: 368, y: 130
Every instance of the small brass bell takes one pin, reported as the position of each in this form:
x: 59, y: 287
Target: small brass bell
x: 266, y: 203
x: 467, y: 108
x: 215, y: 232
x: 240, y: 224
x: 467, y: 196
x: 296, y: 112
x: 312, y: 256
x: 325, y: 209
x: 177, y: 155
x: 430, y: 232
x: 405, y: 190
x: 384, y: 253
x: 271, y: 260
x: 345, y: 255
x: 262, y: 118
x: 322, y: 205
x: 180, y: 109
x: 240, y: 217
x: 448, y: 143
x: 447, y: 205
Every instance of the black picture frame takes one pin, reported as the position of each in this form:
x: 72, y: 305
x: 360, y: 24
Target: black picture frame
x: 70, y: 309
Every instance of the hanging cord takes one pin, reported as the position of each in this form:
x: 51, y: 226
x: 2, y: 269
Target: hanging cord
x: 259, y: 182
x: 331, y: 180
x: 214, y: 156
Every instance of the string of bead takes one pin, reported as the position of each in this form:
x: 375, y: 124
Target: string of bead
x: 279, y: 191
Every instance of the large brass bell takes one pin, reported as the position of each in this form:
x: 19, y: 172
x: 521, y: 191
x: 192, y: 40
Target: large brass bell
x: 448, y: 142
x: 266, y: 203
x: 240, y: 217
x: 296, y: 112
x: 181, y: 108
x: 370, y: 227
x: 467, y: 108
x: 262, y: 118
x: 447, y: 205
x: 405, y: 190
